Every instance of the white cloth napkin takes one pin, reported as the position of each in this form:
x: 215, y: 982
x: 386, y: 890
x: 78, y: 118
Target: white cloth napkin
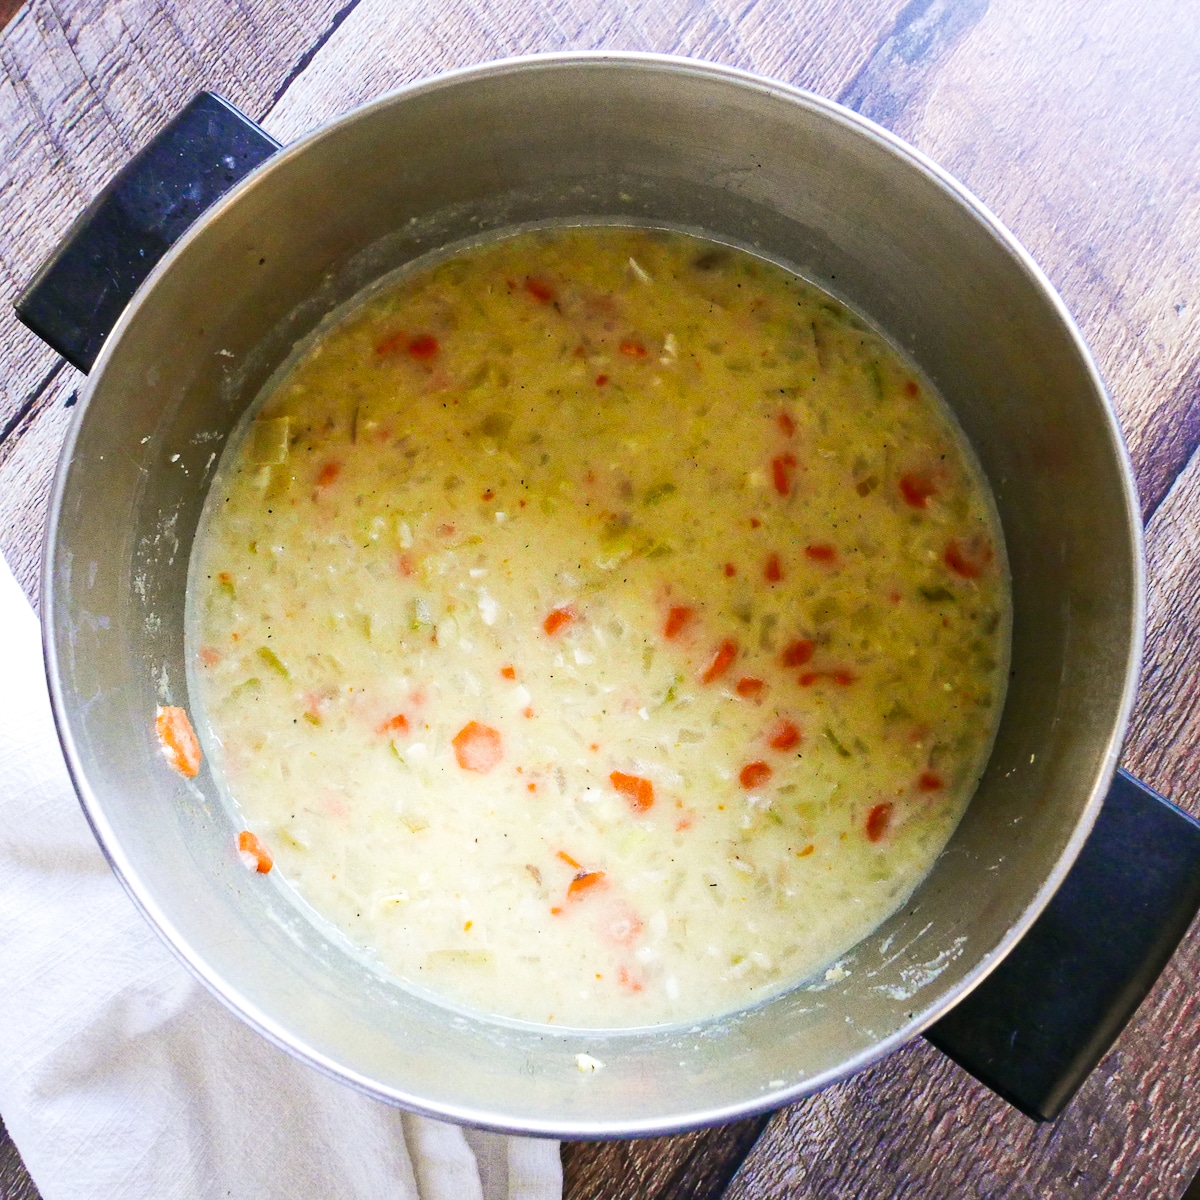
x: 121, y: 1078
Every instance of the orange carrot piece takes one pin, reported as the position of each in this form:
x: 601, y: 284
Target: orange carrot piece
x: 540, y: 290
x: 583, y: 883
x: 821, y: 552
x: 677, y: 618
x: 329, y: 472
x: 569, y: 860
x: 628, y: 981
x: 557, y: 619
x: 177, y: 740
x: 773, y: 571
x: 781, y: 473
x: 786, y: 425
x: 423, y: 347
x: 730, y: 570
x: 930, y: 781
x: 633, y: 349
x: 806, y: 851
x: 841, y: 678
x: 722, y: 661
x: 750, y: 688
x: 878, y: 820
x: 916, y: 489
x: 253, y: 853
x: 784, y: 736
x: 754, y: 775
x: 638, y: 791
x: 797, y: 653
x: 508, y: 672
x: 601, y: 380
x: 967, y: 562
x: 396, y: 724
x: 477, y: 747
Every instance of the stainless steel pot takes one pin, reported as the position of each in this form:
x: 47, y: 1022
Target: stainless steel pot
x: 635, y: 138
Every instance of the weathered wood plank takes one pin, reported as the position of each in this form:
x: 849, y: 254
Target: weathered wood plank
x: 820, y: 44
x: 27, y: 463
x: 693, y: 1166
x: 82, y: 86
x: 1058, y: 116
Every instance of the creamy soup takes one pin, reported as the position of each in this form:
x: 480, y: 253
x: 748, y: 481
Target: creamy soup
x: 601, y: 627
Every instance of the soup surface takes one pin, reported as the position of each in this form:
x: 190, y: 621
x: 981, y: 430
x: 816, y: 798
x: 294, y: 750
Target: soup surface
x: 601, y: 627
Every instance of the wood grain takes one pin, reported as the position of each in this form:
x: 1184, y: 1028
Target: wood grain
x: 1074, y: 122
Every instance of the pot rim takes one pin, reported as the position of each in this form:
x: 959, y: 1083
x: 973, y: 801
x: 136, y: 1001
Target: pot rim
x: 768, y: 1099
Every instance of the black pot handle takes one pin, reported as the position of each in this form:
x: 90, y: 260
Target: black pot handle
x: 81, y: 290
x: 1035, y: 1028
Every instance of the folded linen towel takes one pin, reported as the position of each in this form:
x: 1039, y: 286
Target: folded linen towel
x: 122, y: 1078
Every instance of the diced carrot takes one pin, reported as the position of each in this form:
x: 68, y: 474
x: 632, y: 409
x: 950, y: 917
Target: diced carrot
x: 445, y: 529
x: 396, y: 724
x: 329, y: 472
x: 583, y: 883
x: 558, y: 618
x: 527, y: 712
x: 754, y: 775
x: 209, y: 656
x: 878, y: 820
x: 405, y: 564
x: 721, y: 662
x: 730, y: 570
x: 821, y: 552
x: 423, y: 347
x: 754, y: 522
x: 910, y: 386
x: 930, y: 781
x: 540, y: 290
x: 784, y: 736
x: 841, y: 678
x: 916, y: 489
x: 633, y: 349
x: 773, y: 572
x: 786, y: 425
x: 628, y: 981
x: 508, y: 672
x: 253, y: 853
x: 477, y: 747
x: 569, y: 860
x: 601, y: 380
x: 750, y: 688
x: 677, y: 618
x: 488, y: 495
x: 806, y: 851
x: 781, y: 476
x: 638, y: 791
x: 797, y: 653
x: 967, y: 562
x: 177, y: 740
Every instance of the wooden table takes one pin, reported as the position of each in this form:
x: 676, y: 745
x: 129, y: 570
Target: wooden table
x: 1075, y: 121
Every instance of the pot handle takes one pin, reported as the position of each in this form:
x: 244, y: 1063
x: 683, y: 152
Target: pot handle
x: 80, y: 291
x: 1038, y: 1024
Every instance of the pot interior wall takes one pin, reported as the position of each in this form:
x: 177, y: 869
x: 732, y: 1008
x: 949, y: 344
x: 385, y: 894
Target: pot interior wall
x: 638, y: 141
